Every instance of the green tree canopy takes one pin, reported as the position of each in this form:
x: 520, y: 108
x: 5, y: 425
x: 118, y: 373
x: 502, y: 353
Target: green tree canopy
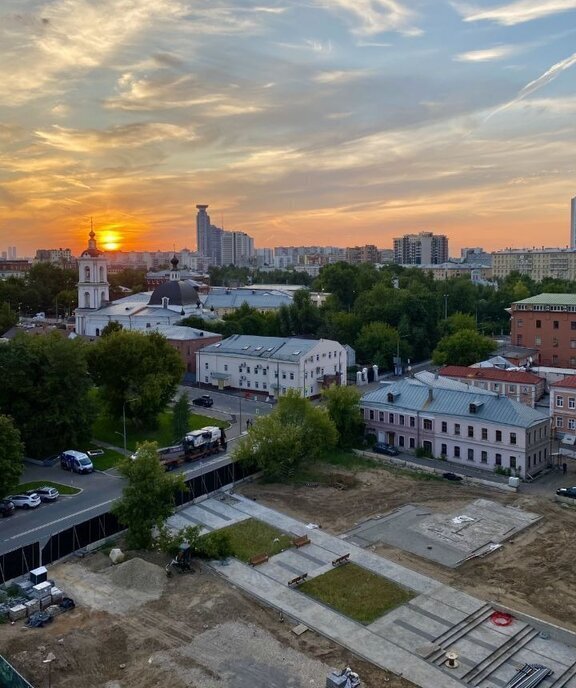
x: 8, y: 318
x: 378, y: 343
x: 11, y: 455
x: 45, y: 388
x: 457, y: 322
x: 296, y: 432
x: 137, y: 371
x: 149, y: 496
x: 462, y: 348
x: 342, y: 404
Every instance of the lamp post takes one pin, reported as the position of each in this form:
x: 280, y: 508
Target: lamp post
x: 50, y: 657
x: 446, y: 306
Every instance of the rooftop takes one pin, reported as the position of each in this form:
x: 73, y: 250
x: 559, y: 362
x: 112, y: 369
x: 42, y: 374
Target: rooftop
x: 550, y: 300
x: 182, y: 333
x: 234, y: 298
x: 272, y: 348
x: 518, y: 376
x: 417, y: 397
x: 569, y: 382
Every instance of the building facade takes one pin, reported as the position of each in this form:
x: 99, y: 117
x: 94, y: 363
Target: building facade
x: 272, y: 365
x: 538, y: 264
x: 362, y: 254
x: 425, y: 248
x: 14, y: 268
x: 56, y: 256
x: 563, y: 405
x: 573, y: 223
x: 487, y: 431
x: 522, y: 386
x: 237, y: 249
x: 221, y: 300
x: 546, y: 322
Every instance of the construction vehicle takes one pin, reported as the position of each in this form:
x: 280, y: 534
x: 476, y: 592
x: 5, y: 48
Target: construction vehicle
x: 195, y: 445
x: 182, y: 562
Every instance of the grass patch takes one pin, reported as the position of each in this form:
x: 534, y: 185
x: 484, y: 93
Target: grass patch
x: 252, y: 537
x: 108, y: 459
x: 359, y: 594
x: 348, y: 459
x: 62, y: 489
x: 110, y: 430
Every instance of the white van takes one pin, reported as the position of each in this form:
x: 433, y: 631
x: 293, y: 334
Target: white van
x: 76, y: 461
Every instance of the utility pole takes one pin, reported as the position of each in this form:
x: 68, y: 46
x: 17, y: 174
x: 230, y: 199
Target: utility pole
x: 446, y: 306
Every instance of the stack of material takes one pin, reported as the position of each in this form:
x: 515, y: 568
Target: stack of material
x: 529, y: 676
x: 56, y: 595
x: 342, y: 679
x: 32, y: 606
x: 25, y: 587
x: 41, y: 590
x: 17, y: 612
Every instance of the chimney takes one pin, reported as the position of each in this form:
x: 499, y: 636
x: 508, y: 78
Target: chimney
x: 430, y: 394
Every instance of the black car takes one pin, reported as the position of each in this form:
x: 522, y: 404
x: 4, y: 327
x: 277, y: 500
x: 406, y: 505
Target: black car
x: 205, y: 400
x: 383, y: 448
x: 7, y: 507
x: 567, y: 492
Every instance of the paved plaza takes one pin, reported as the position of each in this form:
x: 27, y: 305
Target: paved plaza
x: 411, y: 640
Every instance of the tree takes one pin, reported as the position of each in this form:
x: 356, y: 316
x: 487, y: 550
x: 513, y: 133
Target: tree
x: 295, y: 432
x: 344, y: 410
x: 149, y: 496
x: 181, y: 417
x: 112, y: 326
x: 378, y: 343
x: 462, y: 348
x: 136, y: 367
x: 11, y: 455
x: 458, y: 321
x: 8, y: 318
x: 45, y: 389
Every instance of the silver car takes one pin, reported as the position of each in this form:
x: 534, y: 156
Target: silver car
x: 46, y: 494
x: 25, y: 501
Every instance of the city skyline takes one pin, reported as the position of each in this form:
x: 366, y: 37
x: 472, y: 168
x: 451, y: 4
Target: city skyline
x: 345, y: 122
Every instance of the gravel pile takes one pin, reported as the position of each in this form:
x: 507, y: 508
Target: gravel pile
x: 140, y: 575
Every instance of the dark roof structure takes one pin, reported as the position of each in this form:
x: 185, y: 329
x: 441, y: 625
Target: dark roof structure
x: 178, y: 292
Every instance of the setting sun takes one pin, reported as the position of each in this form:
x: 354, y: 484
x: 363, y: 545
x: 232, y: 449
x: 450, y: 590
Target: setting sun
x: 111, y: 239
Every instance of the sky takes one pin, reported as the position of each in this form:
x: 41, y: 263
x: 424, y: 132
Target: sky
x: 323, y: 122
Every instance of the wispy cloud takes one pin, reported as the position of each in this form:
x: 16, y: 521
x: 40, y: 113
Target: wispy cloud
x: 370, y: 17
x: 499, y: 52
x: 513, y: 13
x: 341, y: 76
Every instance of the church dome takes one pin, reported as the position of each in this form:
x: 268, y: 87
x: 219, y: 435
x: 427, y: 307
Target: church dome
x: 92, y: 251
x: 178, y: 293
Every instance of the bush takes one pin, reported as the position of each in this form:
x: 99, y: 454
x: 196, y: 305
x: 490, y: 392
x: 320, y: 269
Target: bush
x: 216, y: 545
x: 422, y: 453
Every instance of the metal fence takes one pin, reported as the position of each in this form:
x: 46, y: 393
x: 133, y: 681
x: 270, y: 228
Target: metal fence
x: 10, y: 678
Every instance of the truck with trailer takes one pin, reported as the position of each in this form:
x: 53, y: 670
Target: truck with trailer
x: 195, y: 445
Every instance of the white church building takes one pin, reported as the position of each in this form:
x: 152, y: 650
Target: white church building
x: 152, y: 310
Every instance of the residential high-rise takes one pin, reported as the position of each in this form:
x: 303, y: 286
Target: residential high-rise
x: 202, y: 230
x: 237, y: 249
x: 425, y: 248
x: 573, y: 223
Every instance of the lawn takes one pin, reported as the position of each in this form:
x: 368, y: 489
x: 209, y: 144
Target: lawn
x: 359, y: 594
x: 62, y: 489
x: 110, y: 430
x: 108, y: 459
x: 249, y: 538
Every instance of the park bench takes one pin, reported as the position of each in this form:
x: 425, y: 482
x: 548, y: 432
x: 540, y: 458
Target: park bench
x: 301, y: 540
x: 259, y: 559
x: 344, y: 559
x: 298, y: 580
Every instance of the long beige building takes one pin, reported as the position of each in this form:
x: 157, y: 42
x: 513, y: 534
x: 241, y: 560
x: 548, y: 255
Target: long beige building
x: 537, y: 263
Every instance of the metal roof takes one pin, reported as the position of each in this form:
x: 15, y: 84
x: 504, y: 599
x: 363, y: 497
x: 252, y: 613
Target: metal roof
x: 182, y: 333
x: 234, y: 298
x: 272, y: 348
x: 551, y: 300
x: 414, y: 396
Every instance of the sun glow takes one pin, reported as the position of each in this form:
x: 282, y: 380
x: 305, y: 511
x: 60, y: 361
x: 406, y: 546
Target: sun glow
x: 110, y: 239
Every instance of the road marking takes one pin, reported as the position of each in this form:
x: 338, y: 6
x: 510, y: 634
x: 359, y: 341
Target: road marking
x: 59, y: 520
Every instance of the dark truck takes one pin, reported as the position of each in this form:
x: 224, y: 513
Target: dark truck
x: 195, y: 445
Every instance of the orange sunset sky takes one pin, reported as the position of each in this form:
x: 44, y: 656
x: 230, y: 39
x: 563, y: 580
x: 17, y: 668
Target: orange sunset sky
x: 334, y: 122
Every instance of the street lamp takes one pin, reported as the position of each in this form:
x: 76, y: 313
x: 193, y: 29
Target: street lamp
x: 123, y: 433
x: 50, y: 657
x: 446, y: 306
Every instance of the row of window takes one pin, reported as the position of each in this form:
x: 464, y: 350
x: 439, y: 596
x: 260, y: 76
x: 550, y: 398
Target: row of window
x: 560, y: 402
x: 571, y: 423
x: 555, y: 324
x: 539, y: 307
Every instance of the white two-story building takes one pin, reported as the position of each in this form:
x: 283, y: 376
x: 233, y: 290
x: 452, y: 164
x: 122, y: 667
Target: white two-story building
x: 272, y: 365
x: 475, y: 428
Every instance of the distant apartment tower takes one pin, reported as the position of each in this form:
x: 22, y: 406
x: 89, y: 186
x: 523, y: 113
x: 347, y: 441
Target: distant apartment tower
x: 208, y: 236
x: 362, y: 254
x: 573, y: 223
x: 237, y: 249
x: 56, y: 256
x: 425, y: 248
x: 11, y: 253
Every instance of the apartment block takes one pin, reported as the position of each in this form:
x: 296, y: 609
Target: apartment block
x: 520, y: 385
x: 563, y: 405
x: 536, y: 263
x: 425, y: 248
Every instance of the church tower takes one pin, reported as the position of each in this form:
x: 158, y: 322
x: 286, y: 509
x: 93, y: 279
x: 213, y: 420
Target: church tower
x: 93, y: 287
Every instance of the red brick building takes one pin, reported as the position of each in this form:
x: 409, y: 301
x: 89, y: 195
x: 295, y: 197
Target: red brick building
x: 546, y: 322
x: 519, y: 385
x: 563, y: 404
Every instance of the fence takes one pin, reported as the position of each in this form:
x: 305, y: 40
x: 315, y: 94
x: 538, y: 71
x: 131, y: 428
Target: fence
x: 10, y: 678
x: 21, y: 560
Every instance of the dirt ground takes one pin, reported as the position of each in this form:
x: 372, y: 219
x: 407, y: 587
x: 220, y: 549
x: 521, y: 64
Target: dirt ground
x: 534, y: 573
x: 189, y: 631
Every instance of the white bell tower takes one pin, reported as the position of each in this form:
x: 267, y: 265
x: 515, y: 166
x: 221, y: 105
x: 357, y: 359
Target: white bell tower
x: 93, y: 287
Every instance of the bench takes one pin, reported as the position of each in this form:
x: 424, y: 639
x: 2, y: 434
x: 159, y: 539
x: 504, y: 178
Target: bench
x: 301, y: 541
x: 344, y: 559
x: 298, y: 580
x: 259, y: 559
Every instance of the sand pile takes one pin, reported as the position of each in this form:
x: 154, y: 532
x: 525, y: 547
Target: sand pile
x: 142, y: 576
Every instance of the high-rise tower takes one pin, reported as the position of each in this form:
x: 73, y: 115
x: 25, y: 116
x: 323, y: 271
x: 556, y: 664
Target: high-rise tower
x: 573, y: 223
x: 202, y: 230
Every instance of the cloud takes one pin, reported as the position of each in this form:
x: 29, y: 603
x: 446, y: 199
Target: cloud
x: 341, y: 76
x: 126, y: 136
x: 489, y: 54
x: 514, y: 13
x: 371, y: 17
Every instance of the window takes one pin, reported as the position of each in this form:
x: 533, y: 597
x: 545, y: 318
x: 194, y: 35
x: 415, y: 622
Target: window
x: 391, y: 418
x: 573, y: 325
x: 555, y: 324
x: 559, y: 401
x: 412, y: 421
x: 559, y: 422
x: 470, y: 431
x: 401, y: 420
x: 225, y: 366
x: 512, y: 389
x: 291, y: 376
x: 496, y: 386
x: 512, y: 438
x: 573, y: 343
x: 456, y: 428
x: 484, y: 433
x: 538, y: 324
x: 498, y: 459
x: 256, y: 385
x: 470, y: 455
x: 381, y: 416
x: 206, y: 366
x: 206, y: 378
x: 555, y: 343
x: 456, y: 452
x: 412, y: 443
x: 401, y: 440
x: 264, y: 385
x: 512, y: 462
x: 247, y: 369
x: 537, y: 341
x: 444, y: 450
x: 484, y: 457
x: 571, y: 423
x: 444, y: 426
x: 427, y: 424
x: 283, y: 376
x: 371, y: 414
x: 571, y: 402
x: 520, y: 322
x: 498, y: 435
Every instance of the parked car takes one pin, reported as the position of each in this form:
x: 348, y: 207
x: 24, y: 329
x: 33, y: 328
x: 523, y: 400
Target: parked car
x: 46, y: 494
x: 383, y: 448
x: 567, y: 492
x: 7, y: 507
x: 205, y: 400
x: 452, y: 476
x: 25, y: 501
x: 76, y: 461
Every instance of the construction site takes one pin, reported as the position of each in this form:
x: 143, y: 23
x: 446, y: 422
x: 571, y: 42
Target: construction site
x: 134, y: 626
